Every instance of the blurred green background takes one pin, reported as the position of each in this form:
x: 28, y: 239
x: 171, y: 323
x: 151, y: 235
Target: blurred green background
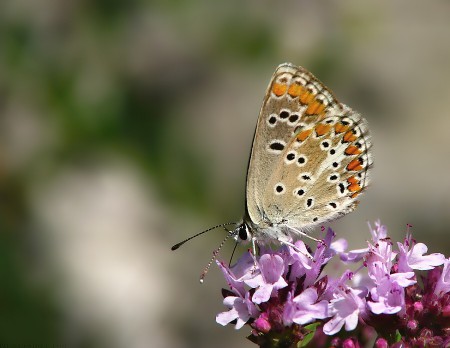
x: 125, y: 127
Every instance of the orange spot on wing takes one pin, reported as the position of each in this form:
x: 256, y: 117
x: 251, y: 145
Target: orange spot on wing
x: 304, y: 134
x: 306, y: 97
x: 340, y: 128
x: 354, y: 165
x: 354, y: 195
x: 349, y: 137
x: 352, y: 150
x: 315, y: 108
x: 352, y: 180
x: 322, y: 129
x: 295, y: 90
x: 279, y: 89
x: 354, y: 187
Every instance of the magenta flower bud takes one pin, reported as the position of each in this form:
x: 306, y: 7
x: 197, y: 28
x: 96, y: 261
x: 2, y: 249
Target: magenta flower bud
x: 262, y: 324
x: 350, y: 343
x: 336, y: 342
x: 412, y: 325
x: 381, y: 343
x: 418, y: 307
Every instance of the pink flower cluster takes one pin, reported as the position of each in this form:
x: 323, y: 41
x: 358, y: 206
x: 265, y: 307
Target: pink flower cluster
x: 281, y: 293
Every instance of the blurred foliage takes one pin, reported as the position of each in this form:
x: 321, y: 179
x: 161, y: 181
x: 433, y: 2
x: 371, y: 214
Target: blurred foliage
x: 69, y: 66
x: 28, y: 314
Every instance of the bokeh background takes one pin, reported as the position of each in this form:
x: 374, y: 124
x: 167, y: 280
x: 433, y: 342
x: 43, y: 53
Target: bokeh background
x: 125, y: 126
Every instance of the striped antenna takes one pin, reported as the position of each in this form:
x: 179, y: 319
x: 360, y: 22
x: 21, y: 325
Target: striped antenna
x: 215, y: 254
x: 176, y: 246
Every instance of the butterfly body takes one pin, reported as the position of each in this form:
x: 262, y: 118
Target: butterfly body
x: 309, y: 161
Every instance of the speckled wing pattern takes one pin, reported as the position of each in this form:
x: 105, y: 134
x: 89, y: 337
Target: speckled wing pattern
x: 310, y: 157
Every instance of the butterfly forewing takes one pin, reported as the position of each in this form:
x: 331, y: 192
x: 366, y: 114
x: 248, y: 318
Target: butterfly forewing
x: 310, y: 155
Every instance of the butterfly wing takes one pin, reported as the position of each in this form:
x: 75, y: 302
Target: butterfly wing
x: 310, y: 156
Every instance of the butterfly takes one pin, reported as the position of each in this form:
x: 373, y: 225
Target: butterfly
x: 310, y: 160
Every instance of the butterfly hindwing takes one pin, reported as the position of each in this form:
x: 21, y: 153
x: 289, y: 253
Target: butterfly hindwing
x: 310, y: 155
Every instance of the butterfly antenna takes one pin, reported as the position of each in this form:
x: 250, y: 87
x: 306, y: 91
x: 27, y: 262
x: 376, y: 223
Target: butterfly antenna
x: 215, y: 254
x: 176, y: 246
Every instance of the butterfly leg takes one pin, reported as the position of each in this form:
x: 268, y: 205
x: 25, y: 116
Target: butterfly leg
x: 255, y: 247
x: 293, y: 246
x: 255, y: 266
x: 306, y: 235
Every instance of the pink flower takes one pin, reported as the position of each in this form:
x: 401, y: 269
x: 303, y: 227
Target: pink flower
x: 443, y: 283
x: 304, y: 308
x: 379, y: 232
x: 414, y: 258
x: 388, y: 294
x: 310, y: 266
x: 300, y: 260
x: 281, y: 293
x: 388, y: 298
x: 241, y: 309
x: 355, y: 255
x: 346, y: 308
x: 269, y: 280
x: 242, y: 270
x: 381, y: 247
x: 382, y: 254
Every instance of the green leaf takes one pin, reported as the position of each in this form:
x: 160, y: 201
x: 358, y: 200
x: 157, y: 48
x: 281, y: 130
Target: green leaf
x: 309, y: 336
x: 398, y: 336
x: 312, y: 327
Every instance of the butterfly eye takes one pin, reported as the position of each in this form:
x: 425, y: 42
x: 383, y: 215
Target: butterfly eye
x: 244, y: 233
